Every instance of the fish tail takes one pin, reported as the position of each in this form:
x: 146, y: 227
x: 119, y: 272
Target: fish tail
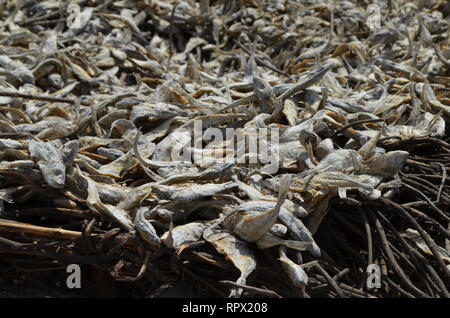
x: 284, y: 189
x: 296, y: 245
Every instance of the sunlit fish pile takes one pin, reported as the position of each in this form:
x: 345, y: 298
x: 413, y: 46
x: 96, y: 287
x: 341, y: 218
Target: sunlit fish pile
x: 128, y: 80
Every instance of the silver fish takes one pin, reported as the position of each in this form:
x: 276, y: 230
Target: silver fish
x: 50, y: 162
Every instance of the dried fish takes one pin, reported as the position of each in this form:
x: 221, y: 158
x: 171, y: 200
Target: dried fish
x: 270, y: 240
x: 50, y: 162
x: 145, y: 228
x: 179, y: 235
x: 236, y: 250
x: 212, y: 117
x: 250, y: 221
x: 190, y: 192
x: 296, y: 274
x: 93, y: 201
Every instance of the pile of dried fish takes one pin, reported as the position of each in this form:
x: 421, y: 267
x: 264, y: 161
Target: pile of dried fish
x: 111, y: 113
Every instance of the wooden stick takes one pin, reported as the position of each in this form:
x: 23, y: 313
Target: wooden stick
x: 97, y: 157
x: 441, y: 187
x: 330, y: 280
x: 426, y: 237
x: 435, y: 208
x: 57, y: 212
x: 398, y: 270
x: 139, y: 275
x: 36, y: 97
x: 259, y: 61
x: 255, y: 290
x: 369, y: 235
x: 358, y: 122
x: 171, y: 34
x: 16, y: 227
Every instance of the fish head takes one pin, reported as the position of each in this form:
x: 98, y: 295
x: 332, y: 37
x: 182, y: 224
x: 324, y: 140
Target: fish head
x: 307, y: 136
x: 387, y: 164
x: 396, y: 159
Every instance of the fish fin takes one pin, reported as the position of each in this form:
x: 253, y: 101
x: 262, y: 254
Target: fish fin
x: 169, y: 240
x: 296, y: 245
x: 284, y: 260
x: 284, y: 189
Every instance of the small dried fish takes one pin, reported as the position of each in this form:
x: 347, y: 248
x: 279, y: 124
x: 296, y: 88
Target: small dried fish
x: 250, y: 221
x: 93, y: 201
x: 296, y: 274
x: 179, y: 235
x: 50, y: 162
x: 269, y: 240
x: 387, y: 164
x: 299, y: 231
x: 69, y: 152
x: 190, y: 192
x: 235, y: 250
x: 145, y: 228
